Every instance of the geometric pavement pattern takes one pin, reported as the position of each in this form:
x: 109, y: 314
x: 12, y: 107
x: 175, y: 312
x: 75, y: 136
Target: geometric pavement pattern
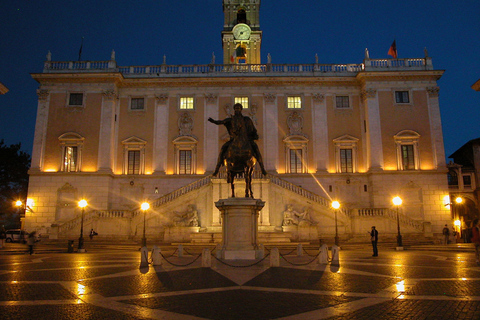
x: 108, y: 283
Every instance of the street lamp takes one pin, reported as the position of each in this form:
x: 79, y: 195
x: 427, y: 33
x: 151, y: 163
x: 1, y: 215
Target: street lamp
x: 82, y: 204
x: 25, y: 207
x: 397, y: 201
x: 145, y: 206
x: 335, y: 206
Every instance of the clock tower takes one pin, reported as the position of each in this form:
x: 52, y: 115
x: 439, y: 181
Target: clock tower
x: 241, y: 35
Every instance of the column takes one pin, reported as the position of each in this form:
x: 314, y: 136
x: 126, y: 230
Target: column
x: 436, y: 128
x: 270, y: 133
x: 210, y: 135
x: 374, y: 132
x: 160, y: 139
x: 107, y: 132
x: 40, y: 130
x: 320, y: 132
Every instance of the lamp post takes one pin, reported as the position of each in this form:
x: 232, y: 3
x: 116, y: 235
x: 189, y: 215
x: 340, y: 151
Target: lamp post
x: 335, y: 206
x: 25, y: 207
x: 397, y: 201
x: 82, y: 204
x: 145, y: 206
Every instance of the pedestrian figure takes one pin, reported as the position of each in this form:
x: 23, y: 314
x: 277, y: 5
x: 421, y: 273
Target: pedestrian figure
x: 31, y: 241
x: 476, y: 239
x: 374, y: 239
x: 92, y: 233
x: 446, y: 234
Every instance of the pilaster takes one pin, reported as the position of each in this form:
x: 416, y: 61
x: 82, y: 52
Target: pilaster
x: 38, y: 151
x: 160, y: 140
x: 107, y: 132
x: 320, y: 132
x: 270, y: 132
x: 210, y: 147
x: 374, y: 132
x: 436, y: 128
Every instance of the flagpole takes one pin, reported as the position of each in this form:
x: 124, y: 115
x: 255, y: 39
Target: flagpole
x: 80, y: 51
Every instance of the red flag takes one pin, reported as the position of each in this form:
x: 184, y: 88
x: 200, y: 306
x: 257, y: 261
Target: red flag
x: 393, y: 50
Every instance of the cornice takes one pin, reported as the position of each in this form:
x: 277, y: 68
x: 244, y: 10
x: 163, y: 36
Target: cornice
x: 101, y: 77
x: 427, y: 75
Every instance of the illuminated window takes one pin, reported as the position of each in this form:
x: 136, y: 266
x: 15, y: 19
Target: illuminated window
x: 294, y: 102
x: 71, y: 144
x: 296, y: 154
x: 186, y: 103
x: 70, y: 159
x: 75, y: 99
x: 185, y: 155
x: 134, y: 155
x: 408, y: 157
x: 137, y: 104
x: 243, y: 101
x: 133, y: 162
x: 346, y: 154
x: 185, y: 162
x: 407, y: 150
x: 402, y: 97
x: 346, y: 161
x: 342, y: 102
x: 296, y: 161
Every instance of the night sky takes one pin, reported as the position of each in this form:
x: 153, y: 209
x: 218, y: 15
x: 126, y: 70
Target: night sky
x: 188, y: 31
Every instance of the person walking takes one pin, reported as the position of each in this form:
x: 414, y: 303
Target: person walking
x: 31, y: 241
x: 446, y: 235
x: 374, y: 239
x: 476, y: 239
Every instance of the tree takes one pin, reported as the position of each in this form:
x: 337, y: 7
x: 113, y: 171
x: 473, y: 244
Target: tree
x: 14, y: 165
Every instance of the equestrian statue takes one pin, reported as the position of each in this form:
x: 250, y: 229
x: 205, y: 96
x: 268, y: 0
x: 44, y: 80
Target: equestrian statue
x: 240, y: 153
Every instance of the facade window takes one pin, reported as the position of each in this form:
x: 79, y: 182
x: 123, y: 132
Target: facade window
x: 185, y: 155
x: 296, y: 161
x: 133, y: 162
x: 75, y: 99
x: 408, y: 157
x: 70, y: 159
x: 185, y: 162
x: 342, y: 102
x: 243, y: 101
x: 407, y: 150
x: 137, y: 104
x: 346, y: 160
x: 402, y: 97
x: 467, y: 181
x: 345, y: 154
x: 134, y: 155
x: 72, y: 144
x: 186, y: 103
x: 452, y: 178
x: 294, y: 102
x: 296, y: 154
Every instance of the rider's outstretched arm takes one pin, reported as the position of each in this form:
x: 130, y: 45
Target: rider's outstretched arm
x: 217, y: 122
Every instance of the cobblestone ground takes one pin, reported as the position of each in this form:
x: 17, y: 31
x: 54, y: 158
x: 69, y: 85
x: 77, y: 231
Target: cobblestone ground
x: 107, y: 282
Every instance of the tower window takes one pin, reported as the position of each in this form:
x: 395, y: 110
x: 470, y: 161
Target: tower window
x: 241, y: 16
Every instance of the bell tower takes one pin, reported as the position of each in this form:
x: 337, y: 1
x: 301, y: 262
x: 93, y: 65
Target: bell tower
x: 241, y: 35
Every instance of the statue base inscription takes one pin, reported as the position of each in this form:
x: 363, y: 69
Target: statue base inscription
x: 240, y: 227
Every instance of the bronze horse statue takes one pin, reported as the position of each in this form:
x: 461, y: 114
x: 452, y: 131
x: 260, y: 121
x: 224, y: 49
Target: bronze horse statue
x: 240, y: 153
x: 239, y: 159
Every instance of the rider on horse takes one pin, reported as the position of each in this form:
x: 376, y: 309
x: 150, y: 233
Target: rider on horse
x: 234, y: 125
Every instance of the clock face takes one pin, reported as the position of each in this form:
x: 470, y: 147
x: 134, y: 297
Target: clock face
x: 241, y: 31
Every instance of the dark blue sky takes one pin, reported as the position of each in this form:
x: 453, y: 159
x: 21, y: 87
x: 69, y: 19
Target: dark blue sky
x: 188, y: 31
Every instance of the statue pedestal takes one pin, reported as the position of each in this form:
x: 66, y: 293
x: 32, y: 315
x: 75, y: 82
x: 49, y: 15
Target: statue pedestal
x: 240, y: 227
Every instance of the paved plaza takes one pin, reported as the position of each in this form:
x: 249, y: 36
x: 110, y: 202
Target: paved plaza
x: 107, y: 282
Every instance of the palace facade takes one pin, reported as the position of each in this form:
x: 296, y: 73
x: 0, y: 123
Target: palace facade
x: 358, y: 133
